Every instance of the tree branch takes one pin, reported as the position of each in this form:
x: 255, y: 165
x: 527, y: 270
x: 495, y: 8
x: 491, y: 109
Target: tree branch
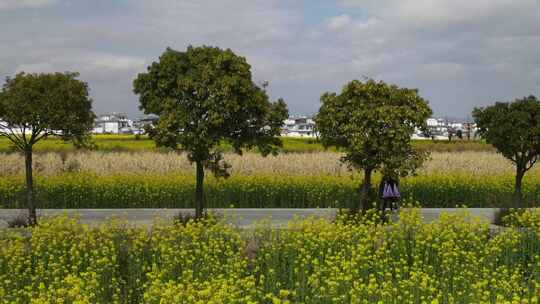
x: 24, y: 134
x: 16, y: 141
x: 531, y: 162
x: 35, y: 135
x: 14, y: 135
x: 39, y: 137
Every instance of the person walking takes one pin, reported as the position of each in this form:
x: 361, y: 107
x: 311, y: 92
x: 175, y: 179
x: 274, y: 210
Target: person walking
x: 389, y: 193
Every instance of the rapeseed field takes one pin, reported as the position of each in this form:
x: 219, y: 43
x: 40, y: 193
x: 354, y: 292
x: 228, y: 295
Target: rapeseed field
x: 456, y: 259
x: 175, y: 190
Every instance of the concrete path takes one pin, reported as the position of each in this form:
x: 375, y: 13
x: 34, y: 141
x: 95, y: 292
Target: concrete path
x: 239, y: 217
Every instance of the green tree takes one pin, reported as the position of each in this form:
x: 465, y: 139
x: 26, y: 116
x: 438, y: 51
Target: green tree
x: 205, y: 96
x: 513, y: 128
x: 34, y: 106
x: 372, y: 122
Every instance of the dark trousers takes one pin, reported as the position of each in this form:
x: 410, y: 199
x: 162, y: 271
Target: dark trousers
x: 389, y: 203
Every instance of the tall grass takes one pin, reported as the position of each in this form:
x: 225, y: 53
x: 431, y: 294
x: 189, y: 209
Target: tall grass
x: 152, y: 162
x: 320, y: 163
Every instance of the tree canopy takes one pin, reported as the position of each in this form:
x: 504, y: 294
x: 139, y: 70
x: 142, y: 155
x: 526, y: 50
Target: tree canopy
x: 372, y: 122
x: 206, y: 95
x: 513, y: 128
x: 34, y: 106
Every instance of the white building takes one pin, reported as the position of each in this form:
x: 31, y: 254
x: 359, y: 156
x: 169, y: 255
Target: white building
x: 140, y: 124
x: 438, y: 128
x: 457, y: 126
x: 113, y: 123
x: 299, y: 127
x: 432, y: 122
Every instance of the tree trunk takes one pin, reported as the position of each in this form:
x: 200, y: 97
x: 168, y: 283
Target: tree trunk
x: 30, y: 203
x: 518, y: 195
x: 365, y: 191
x: 199, y: 196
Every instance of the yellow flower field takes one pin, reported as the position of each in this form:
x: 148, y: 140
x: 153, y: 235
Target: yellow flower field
x: 293, y: 180
x: 83, y: 190
x: 456, y: 259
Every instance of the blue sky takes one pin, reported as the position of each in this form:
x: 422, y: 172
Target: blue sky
x: 459, y: 54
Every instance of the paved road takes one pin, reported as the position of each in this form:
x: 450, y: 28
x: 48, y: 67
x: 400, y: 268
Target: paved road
x: 240, y: 217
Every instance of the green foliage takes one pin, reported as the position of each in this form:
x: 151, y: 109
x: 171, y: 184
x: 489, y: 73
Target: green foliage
x: 513, y: 128
x: 206, y: 95
x: 34, y: 106
x: 372, y: 122
x: 42, y: 105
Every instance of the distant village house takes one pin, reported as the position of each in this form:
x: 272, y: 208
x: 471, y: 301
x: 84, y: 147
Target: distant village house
x: 112, y: 123
x: 119, y: 123
x: 299, y: 127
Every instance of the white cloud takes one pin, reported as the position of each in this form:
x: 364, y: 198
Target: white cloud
x: 536, y: 74
x: 229, y: 23
x: 443, y: 69
x: 433, y: 15
x: 114, y: 63
x: 14, y: 4
x: 338, y: 22
x: 40, y: 67
x: 92, y: 64
x: 459, y: 53
x: 454, y: 12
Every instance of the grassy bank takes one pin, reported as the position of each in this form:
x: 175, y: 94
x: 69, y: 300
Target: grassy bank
x: 83, y: 190
x: 112, y: 143
x: 453, y: 260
